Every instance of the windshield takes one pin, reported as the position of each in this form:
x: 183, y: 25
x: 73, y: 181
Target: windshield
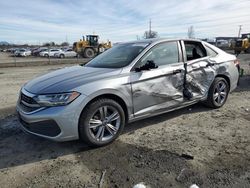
x: 118, y: 56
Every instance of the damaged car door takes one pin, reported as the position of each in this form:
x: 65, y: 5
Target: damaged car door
x: 157, y: 79
x: 200, y: 69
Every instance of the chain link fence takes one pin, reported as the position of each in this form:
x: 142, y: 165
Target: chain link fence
x: 8, y: 59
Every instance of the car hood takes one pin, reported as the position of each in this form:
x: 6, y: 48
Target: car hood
x: 66, y: 79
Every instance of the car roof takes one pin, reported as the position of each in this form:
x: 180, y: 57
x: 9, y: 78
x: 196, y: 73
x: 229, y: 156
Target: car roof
x: 158, y: 40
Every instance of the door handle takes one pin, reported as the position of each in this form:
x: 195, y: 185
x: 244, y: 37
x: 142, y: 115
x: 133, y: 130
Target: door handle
x: 177, y: 71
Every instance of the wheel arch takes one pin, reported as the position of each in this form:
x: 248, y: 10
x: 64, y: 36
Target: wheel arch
x: 84, y: 134
x: 112, y: 96
x: 226, y: 78
x: 89, y: 47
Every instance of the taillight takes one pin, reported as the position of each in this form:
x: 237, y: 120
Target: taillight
x: 236, y: 62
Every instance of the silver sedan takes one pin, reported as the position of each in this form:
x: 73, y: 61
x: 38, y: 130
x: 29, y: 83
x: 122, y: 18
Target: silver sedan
x: 128, y: 82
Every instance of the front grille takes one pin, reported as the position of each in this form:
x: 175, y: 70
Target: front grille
x: 27, y: 99
x: 28, y: 104
x: 28, y: 108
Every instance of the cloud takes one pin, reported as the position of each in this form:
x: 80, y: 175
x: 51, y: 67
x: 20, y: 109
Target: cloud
x: 121, y: 20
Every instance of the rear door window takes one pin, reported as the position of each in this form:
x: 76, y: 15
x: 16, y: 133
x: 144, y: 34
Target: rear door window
x: 194, y: 50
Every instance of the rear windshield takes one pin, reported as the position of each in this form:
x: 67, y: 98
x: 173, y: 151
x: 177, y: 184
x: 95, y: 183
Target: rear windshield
x: 118, y: 56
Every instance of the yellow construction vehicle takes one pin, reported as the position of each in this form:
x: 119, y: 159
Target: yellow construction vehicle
x: 90, y: 46
x: 242, y: 44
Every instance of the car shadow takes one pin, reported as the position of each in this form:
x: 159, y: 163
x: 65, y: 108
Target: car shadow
x: 19, y: 148
x: 244, y: 84
x: 196, y: 108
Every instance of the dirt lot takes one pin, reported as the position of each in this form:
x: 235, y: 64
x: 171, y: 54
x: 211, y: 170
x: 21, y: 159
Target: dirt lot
x: 148, y: 151
x: 11, y: 80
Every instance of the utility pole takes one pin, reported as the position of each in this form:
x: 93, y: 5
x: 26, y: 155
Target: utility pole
x: 66, y: 38
x: 150, y: 27
x: 240, y: 28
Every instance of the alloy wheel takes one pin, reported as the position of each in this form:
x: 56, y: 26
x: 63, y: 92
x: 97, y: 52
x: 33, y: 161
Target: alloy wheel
x: 104, y: 123
x: 220, y: 93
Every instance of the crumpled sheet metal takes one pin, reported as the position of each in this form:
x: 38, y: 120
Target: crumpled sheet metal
x: 162, y: 92
x: 166, y: 91
x: 199, y: 80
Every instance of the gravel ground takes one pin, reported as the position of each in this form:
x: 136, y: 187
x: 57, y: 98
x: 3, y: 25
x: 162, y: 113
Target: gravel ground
x: 194, y: 145
x: 11, y: 80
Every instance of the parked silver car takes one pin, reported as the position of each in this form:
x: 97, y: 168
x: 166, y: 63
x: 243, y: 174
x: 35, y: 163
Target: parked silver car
x: 66, y: 53
x: 49, y: 53
x: 128, y: 82
x: 22, y: 52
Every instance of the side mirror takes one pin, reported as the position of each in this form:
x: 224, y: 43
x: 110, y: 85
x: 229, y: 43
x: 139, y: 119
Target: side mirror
x: 149, y: 65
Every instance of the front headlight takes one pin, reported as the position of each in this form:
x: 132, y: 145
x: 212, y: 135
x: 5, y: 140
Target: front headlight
x: 56, y: 99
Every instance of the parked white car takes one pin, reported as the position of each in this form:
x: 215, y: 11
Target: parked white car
x: 66, y: 53
x: 22, y: 52
x: 50, y: 53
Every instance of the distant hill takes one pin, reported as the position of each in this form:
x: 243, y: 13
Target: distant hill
x: 4, y: 43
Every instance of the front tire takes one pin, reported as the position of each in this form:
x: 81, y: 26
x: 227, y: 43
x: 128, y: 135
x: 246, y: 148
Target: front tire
x: 218, y: 93
x: 101, y: 122
x: 101, y: 49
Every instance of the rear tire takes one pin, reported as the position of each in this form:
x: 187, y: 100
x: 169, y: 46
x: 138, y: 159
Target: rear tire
x: 96, y: 125
x: 218, y: 93
x: 247, y: 50
x: 89, y: 53
x: 237, y: 52
x: 62, y: 56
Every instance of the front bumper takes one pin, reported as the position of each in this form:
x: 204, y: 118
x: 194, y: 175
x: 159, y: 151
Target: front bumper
x: 56, y: 123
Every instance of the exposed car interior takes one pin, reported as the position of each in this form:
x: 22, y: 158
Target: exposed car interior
x: 194, y: 50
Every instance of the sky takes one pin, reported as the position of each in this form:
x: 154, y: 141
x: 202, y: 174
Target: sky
x: 39, y: 21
